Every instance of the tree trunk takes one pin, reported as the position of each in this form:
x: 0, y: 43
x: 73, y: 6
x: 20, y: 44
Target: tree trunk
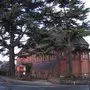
x: 58, y: 63
x: 79, y: 63
x: 11, y: 61
x: 69, y: 61
x: 11, y: 55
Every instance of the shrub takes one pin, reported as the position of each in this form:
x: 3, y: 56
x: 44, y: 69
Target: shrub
x: 3, y: 72
x: 70, y: 76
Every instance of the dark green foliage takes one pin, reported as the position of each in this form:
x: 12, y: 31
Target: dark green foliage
x: 28, y: 68
x: 13, y: 18
x: 70, y: 76
x: 3, y: 72
x: 64, y: 25
x: 60, y: 25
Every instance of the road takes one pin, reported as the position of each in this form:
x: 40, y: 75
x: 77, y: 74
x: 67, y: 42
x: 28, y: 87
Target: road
x: 51, y: 88
x: 27, y: 87
x: 38, y: 85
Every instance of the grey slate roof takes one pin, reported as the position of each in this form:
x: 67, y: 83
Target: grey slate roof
x: 80, y: 43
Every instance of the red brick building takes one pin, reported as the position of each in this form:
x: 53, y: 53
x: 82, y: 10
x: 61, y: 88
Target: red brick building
x: 55, y: 63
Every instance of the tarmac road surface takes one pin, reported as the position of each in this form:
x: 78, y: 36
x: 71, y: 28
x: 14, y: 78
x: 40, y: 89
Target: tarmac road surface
x: 5, y: 84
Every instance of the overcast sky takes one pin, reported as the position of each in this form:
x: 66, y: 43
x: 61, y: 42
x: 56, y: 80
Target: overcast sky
x: 87, y: 4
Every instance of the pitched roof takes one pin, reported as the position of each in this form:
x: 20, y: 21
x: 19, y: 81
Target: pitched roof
x: 80, y: 43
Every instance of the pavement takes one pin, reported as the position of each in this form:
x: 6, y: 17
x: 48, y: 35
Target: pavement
x: 13, y: 84
x: 23, y: 82
x: 69, y: 81
x: 49, y: 82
